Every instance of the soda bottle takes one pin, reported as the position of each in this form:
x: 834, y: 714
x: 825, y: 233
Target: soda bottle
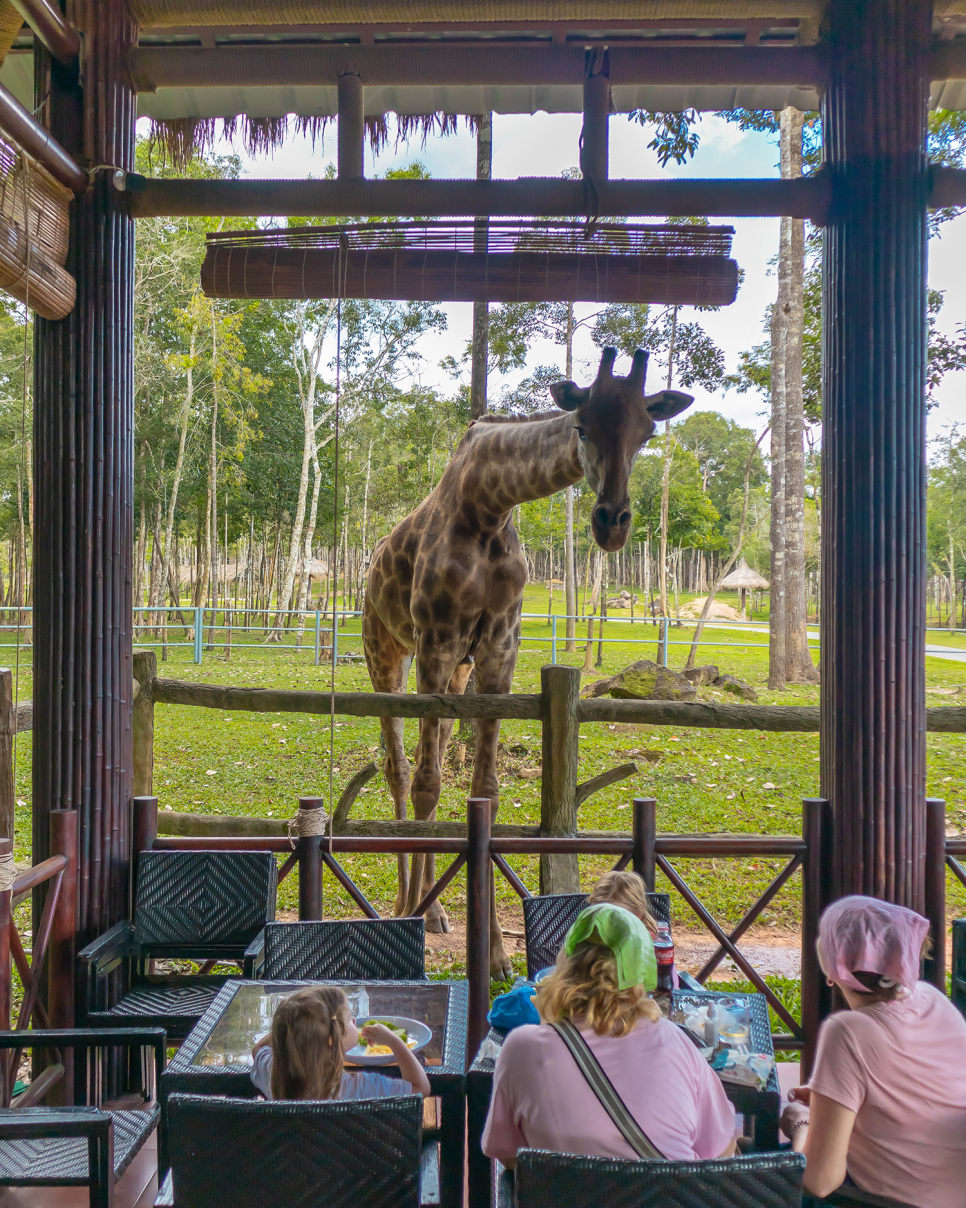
x: 664, y: 951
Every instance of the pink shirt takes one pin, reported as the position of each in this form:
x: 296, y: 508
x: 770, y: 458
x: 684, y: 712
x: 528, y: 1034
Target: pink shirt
x: 901, y: 1067
x: 542, y: 1101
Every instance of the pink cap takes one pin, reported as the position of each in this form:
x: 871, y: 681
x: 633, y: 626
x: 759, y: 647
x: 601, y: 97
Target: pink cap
x: 870, y: 936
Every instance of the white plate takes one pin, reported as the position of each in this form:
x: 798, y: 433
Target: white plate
x: 417, y: 1031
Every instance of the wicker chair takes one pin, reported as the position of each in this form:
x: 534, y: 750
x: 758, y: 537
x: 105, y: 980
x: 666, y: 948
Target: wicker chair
x: 196, y: 905
x: 245, y: 1153
x: 546, y: 920
x: 958, y: 993
x: 554, y: 1180
x: 354, y: 949
x: 76, y: 1146
x: 852, y: 1197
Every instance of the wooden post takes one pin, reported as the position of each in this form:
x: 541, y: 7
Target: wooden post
x: 594, y: 135
x: 62, y: 948
x: 8, y: 736
x: 310, y: 866
x: 816, y: 996
x: 142, y: 721
x: 560, y: 688
x: 351, y: 127
x: 645, y: 833
x: 478, y: 882
x: 873, y: 460
x: 935, y: 965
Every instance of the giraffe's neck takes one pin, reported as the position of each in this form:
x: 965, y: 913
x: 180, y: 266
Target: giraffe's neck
x: 500, y: 464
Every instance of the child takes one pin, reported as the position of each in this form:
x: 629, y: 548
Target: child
x: 302, y: 1057
x: 625, y: 889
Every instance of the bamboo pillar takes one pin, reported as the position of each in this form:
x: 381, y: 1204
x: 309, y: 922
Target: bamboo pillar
x: 62, y: 951
x: 873, y: 462
x: 351, y: 127
x: 83, y: 467
x: 479, y: 881
x: 594, y: 147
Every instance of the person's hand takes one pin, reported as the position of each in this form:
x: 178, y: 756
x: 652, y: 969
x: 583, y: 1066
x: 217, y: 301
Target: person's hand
x: 378, y: 1033
x: 801, y: 1094
x: 793, y: 1122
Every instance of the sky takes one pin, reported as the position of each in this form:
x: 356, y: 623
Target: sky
x: 546, y: 145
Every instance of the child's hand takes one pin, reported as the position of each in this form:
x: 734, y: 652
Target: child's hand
x: 378, y: 1033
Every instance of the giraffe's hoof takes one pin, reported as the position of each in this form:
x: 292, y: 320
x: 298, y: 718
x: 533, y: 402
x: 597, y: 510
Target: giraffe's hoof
x: 436, y: 920
x: 500, y: 964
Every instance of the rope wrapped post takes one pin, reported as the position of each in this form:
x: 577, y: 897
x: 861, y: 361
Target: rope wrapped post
x: 560, y: 687
x: 644, y: 836
x: 145, y: 666
x: 478, y: 889
x: 61, y: 951
x: 8, y: 731
x: 816, y: 880
x: 935, y: 965
x: 351, y: 127
x: 310, y: 823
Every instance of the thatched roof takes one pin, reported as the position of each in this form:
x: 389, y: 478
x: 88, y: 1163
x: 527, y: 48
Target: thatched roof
x: 744, y: 577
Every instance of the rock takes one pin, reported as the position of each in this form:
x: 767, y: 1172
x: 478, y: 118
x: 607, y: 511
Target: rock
x: 645, y: 680
x: 624, y: 600
x: 719, y: 610
x: 699, y: 676
x: 736, y: 686
x: 529, y: 773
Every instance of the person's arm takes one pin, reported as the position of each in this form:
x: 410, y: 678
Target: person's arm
x: 820, y: 1131
x: 265, y: 1040
x: 409, y: 1067
x: 731, y: 1150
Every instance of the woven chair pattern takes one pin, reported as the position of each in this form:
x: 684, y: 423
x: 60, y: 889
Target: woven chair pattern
x: 187, y: 999
x: 250, y: 1154
x: 547, y: 919
x: 550, y: 1180
x: 46, y: 1159
x: 958, y: 993
x: 363, y: 949
x: 197, y: 897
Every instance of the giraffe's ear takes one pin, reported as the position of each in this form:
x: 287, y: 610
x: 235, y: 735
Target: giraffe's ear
x: 569, y: 396
x: 666, y: 404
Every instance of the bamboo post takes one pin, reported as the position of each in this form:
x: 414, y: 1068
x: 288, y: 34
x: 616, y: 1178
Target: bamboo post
x: 351, y: 126
x: 310, y: 866
x: 478, y: 882
x: 644, y: 836
x: 145, y: 663
x: 560, y: 687
x: 816, y: 881
x: 935, y: 965
x: 62, y: 947
x: 594, y: 135
x: 8, y: 735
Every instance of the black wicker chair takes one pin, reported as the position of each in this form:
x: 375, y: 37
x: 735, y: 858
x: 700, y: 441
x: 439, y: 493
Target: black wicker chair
x: 547, y: 919
x: 554, y: 1180
x: 77, y: 1146
x: 245, y: 1153
x: 852, y: 1197
x: 958, y: 991
x: 194, y: 905
x: 350, y: 949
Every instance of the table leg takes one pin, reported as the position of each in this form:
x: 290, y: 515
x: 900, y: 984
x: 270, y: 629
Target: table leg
x: 766, y: 1126
x: 478, y: 1090
x: 452, y: 1146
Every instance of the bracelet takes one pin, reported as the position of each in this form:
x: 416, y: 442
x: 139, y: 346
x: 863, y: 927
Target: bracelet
x: 791, y: 1131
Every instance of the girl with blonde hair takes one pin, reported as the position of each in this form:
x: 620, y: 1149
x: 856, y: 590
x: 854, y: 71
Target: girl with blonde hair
x: 625, y: 889
x: 602, y: 986
x: 303, y: 1055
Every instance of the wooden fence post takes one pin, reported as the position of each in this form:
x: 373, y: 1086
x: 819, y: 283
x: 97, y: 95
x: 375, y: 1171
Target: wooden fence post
x: 478, y: 889
x: 935, y: 965
x: 142, y: 721
x: 310, y: 866
x: 560, y: 688
x: 8, y: 733
x: 61, y: 963
x: 644, y: 836
x: 816, y: 882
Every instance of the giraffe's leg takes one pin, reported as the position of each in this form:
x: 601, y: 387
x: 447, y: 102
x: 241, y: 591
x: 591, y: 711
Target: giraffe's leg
x: 494, y: 673
x: 388, y: 664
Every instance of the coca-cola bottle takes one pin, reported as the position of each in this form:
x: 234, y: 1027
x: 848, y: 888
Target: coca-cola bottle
x: 664, y: 951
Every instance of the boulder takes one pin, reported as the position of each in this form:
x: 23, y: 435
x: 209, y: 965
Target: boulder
x: 699, y: 676
x: 719, y: 610
x: 624, y: 600
x: 644, y: 680
x: 738, y: 687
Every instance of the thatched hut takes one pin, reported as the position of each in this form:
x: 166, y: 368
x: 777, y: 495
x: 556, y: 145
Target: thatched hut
x: 743, y: 579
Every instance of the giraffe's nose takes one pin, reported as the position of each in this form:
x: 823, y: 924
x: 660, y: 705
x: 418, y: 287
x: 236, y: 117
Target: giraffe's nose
x: 611, y: 517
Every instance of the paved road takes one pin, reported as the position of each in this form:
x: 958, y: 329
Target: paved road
x: 946, y: 652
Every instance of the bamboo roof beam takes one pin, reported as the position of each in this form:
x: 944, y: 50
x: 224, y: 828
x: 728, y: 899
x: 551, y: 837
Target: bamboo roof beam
x: 47, y: 22
x: 27, y: 133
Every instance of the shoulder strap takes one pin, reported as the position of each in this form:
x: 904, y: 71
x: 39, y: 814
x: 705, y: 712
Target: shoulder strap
x: 606, y: 1092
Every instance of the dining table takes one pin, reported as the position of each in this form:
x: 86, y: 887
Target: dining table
x: 215, y: 1058
x: 760, y: 1107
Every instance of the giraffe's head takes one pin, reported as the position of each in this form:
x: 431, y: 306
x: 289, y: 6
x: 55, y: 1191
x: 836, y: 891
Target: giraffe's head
x: 613, y: 420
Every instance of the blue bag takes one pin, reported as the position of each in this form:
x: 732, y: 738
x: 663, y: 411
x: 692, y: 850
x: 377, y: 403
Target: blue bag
x: 513, y: 1009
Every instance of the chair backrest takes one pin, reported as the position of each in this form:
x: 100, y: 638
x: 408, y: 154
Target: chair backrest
x: 547, y: 919
x: 247, y: 1153
x: 958, y: 988
x: 547, y: 1180
x: 190, y: 899
x: 353, y: 949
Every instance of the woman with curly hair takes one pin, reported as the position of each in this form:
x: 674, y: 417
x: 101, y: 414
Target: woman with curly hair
x: 602, y: 985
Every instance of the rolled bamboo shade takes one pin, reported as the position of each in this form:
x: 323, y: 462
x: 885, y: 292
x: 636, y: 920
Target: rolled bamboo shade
x: 34, y: 232
x: 477, y: 262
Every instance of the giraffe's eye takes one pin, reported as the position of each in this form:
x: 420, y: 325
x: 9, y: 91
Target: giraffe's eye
x: 582, y: 435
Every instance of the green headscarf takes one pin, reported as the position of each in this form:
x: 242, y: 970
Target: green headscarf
x: 625, y: 935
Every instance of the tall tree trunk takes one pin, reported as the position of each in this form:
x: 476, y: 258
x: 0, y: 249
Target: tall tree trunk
x: 666, y: 474
x: 570, y: 565
x: 799, y: 668
x: 481, y: 311
x: 781, y: 362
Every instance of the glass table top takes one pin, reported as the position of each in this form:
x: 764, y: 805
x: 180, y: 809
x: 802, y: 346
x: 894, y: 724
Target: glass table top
x: 248, y: 1017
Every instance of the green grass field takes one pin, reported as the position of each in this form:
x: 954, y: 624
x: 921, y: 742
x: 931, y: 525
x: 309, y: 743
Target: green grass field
x: 705, y: 780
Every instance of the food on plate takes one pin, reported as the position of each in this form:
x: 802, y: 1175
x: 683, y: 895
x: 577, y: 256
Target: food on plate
x: 383, y: 1050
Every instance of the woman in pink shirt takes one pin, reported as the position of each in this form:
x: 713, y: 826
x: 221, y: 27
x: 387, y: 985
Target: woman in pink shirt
x: 602, y: 984
x: 885, y: 1106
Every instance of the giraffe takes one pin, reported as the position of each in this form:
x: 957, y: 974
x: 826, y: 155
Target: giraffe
x: 446, y: 585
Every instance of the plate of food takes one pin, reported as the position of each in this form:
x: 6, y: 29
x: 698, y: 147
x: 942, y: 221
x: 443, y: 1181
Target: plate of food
x: 416, y: 1036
